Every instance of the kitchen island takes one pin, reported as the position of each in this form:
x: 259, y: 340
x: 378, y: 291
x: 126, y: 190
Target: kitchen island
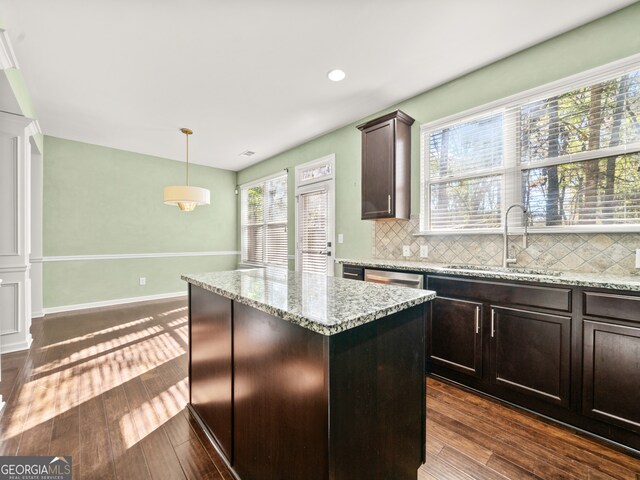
x: 303, y: 376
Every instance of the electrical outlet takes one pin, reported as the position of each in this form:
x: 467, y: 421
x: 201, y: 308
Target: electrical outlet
x: 424, y: 251
x: 406, y: 251
x: 340, y: 238
x: 638, y: 258
x: 143, y: 281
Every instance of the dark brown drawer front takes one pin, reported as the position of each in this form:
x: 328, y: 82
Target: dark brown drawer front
x: 354, y: 273
x: 525, y: 295
x: 607, y: 305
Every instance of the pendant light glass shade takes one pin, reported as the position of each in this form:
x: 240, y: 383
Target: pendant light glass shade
x: 186, y: 197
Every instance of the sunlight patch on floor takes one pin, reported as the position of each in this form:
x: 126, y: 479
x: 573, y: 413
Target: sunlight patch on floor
x: 91, y: 335
x: 91, y: 377
x: 154, y: 413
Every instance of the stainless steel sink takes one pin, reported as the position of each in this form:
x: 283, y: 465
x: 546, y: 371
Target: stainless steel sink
x: 514, y: 270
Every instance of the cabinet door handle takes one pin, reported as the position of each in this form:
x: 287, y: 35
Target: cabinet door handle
x: 493, y: 321
x: 477, y: 319
x: 389, y: 203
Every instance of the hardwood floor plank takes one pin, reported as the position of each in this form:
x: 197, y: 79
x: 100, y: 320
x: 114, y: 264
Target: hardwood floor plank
x: 219, y: 463
x: 434, y: 445
x: 148, y: 423
x: 511, y: 470
x: 465, y: 464
x: 445, y: 471
x: 162, y: 459
x: 96, y: 457
x: 12, y: 365
x: 459, y: 442
x: 195, y: 461
x: 597, y: 475
x: 178, y: 429
x: 65, y: 435
x: 129, y: 458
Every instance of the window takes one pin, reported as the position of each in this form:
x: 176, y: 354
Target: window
x: 570, y: 153
x: 264, y: 222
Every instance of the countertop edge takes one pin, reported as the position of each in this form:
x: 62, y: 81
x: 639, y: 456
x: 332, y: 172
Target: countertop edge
x: 567, y: 278
x: 307, y: 322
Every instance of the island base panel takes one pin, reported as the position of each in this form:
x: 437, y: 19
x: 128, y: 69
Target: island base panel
x: 378, y: 398
x: 280, y: 409
x: 210, y: 366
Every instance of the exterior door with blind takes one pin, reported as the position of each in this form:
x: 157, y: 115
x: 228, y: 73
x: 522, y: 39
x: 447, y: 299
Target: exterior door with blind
x: 315, y: 213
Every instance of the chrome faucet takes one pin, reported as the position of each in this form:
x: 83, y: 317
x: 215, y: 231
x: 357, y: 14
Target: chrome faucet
x: 506, y: 261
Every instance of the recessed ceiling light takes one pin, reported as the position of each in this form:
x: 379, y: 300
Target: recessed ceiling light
x: 336, y: 75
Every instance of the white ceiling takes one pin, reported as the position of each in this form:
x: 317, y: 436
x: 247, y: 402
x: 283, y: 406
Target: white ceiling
x: 252, y: 74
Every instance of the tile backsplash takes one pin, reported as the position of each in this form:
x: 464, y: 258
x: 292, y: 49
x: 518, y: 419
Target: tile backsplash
x: 611, y: 253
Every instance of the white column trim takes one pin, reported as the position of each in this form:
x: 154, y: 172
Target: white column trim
x: 18, y: 346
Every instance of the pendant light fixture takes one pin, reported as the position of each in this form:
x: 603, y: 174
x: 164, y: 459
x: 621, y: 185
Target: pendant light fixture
x: 186, y: 197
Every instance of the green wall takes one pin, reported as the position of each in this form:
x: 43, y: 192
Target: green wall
x: 100, y: 200
x: 604, y: 40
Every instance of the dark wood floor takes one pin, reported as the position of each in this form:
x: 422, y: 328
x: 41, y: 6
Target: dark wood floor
x: 109, y: 387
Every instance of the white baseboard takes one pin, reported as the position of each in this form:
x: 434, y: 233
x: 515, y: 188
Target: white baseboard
x: 37, y: 314
x: 1, y: 404
x: 107, y: 303
x: 16, y: 347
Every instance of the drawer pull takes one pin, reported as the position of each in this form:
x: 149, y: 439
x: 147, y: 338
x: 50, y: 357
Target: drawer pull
x: 349, y: 274
x: 493, y: 321
x: 389, y: 203
x: 477, y: 319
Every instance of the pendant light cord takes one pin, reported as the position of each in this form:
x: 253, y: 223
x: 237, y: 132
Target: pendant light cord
x: 187, y: 135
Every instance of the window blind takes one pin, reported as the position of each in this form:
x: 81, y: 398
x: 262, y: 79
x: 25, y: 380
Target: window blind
x: 570, y: 156
x: 314, y: 217
x: 264, y: 236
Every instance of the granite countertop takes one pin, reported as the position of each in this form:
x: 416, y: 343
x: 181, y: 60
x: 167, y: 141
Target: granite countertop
x: 327, y: 305
x: 595, y: 280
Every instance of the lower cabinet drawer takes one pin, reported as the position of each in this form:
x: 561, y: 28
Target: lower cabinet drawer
x: 609, y: 305
x: 352, y: 272
x: 553, y: 298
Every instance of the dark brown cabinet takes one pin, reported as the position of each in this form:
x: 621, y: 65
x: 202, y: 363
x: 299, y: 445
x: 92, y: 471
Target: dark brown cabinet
x: 211, y: 388
x: 530, y: 353
x: 569, y: 353
x: 611, y: 373
x: 386, y: 166
x: 526, y: 353
x: 454, y: 337
x: 611, y: 359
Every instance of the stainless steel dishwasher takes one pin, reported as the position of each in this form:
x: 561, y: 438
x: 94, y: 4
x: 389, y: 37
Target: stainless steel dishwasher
x: 402, y: 279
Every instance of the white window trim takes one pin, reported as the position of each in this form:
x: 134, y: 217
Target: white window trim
x: 247, y: 185
x: 303, y: 187
x: 508, y: 104
x: 330, y: 159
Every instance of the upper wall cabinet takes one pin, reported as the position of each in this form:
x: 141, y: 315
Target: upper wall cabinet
x: 386, y: 166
